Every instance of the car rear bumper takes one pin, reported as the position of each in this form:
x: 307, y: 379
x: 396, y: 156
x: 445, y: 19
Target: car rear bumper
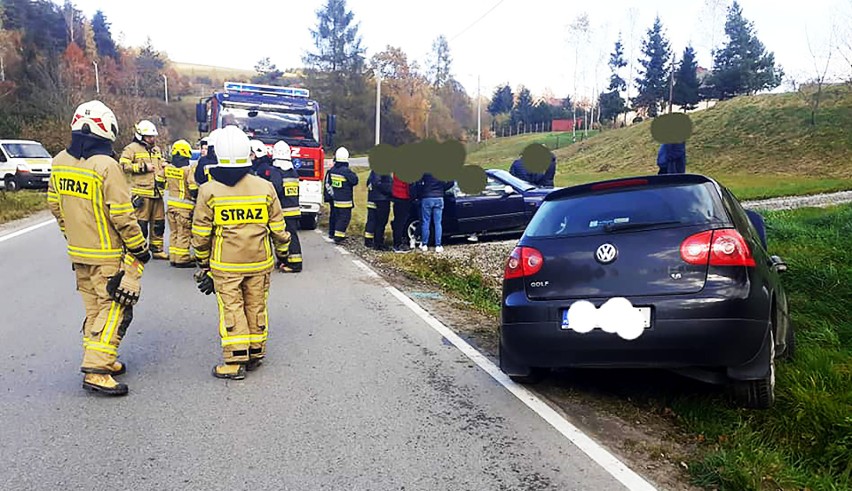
x: 32, y: 180
x: 682, y: 334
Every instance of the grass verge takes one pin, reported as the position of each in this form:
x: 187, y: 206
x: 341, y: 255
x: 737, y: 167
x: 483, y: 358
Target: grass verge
x: 21, y: 204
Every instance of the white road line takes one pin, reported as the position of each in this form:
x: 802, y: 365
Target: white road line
x: 26, y: 230
x: 342, y: 250
x: 609, y: 462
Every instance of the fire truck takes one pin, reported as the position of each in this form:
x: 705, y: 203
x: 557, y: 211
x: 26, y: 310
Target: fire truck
x: 271, y: 114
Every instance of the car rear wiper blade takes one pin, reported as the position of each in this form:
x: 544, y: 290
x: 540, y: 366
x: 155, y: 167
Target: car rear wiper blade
x: 613, y: 227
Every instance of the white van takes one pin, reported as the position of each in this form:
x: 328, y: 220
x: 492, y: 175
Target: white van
x: 24, y: 164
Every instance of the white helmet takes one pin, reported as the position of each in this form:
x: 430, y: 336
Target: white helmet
x: 145, y: 128
x: 341, y: 155
x: 211, y: 138
x: 281, y: 151
x: 233, y: 148
x: 258, y: 148
x: 96, y: 118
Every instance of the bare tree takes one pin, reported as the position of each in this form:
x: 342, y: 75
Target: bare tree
x: 820, y: 74
x: 842, y: 32
x: 632, y: 14
x: 579, y: 31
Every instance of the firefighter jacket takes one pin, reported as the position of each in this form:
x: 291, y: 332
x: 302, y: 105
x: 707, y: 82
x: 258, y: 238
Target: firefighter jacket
x: 145, y: 167
x: 180, y: 184
x: 273, y: 175
x: 342, y: 180
x: 379, y: 187
x: 90, y: 199
x: 232, y: 225
x: 290, y: 203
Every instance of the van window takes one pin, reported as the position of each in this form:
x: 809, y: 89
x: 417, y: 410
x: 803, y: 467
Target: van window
x: 26, y: 151
x: 673, y: 205
x: 2, y: 156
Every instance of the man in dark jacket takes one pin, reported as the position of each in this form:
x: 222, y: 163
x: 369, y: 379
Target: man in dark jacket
x: 517, y: 169
x: 342, y: 181
x: 286, y: 183
x: 546, y: 180
x: 431, y: 192
x: 379, y: 188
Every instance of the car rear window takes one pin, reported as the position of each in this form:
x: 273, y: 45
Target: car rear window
x: 669, y: 205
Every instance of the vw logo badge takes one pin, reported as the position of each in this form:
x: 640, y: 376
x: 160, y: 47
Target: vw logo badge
x: 606, y: 253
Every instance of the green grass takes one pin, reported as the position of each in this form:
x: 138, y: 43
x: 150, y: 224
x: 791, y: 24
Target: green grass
x: 805, y: 441
x: 21, y: 204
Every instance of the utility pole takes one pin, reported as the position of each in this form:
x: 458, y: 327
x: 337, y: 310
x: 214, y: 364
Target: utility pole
x: 671, y: 84
x: 166, y: 86
x: 97, y: 78
x: 378, y: 105
x: 478, y: 111
x: 2, y: 70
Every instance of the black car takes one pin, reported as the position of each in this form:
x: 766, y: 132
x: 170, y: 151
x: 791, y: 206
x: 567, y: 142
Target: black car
x: 664, y: 271
x: 506, y: 205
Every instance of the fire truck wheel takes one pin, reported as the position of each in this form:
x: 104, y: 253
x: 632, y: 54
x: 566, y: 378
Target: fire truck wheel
x: 308, y: 222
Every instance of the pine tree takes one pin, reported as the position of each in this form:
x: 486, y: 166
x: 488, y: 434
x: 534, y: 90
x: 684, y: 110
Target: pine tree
x: 502, y: 100
x: 611, y: 103
x: 267, y: 72
x: 338, y: 44
x: 616, y: 63
x: 439, y: 68
x: 654, y: 75
x: 522, y: 111
x: 103, y: 37
x: 742, y: 66
x: 686, y: 83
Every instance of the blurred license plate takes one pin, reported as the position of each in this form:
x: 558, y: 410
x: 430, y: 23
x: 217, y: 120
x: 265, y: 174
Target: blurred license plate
x: 645, y: 311
x: 45, y: 179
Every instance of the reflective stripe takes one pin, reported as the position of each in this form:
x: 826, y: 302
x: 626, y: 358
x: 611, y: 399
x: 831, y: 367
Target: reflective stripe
x: 52, y: 197
x: 63, y: 169
x: 294, y: 258
x: 236, y: 161
x: 147, y: 193
x: 121, y: 209
x: 231, y: 200
x: 202, y: 254
x: 339, y: 234
x: 343, y: 204
x: 246, y: 339
x: 370, y: 204
x: 291, y: 212
x: 368, y: 235
x: 178, y: 250
x: 131, y: 261
x: 85, y: 252
x: 223, y: 333
x: 185, y: 205
x: 241, y: 268
x: 135, y: 241
x: 101, y: 347
x: 201, y: 231
x: 100, y: 218
x: 116, y: 312
x: 276, y: 226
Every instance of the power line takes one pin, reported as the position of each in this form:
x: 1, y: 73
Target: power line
x: 476, y: 21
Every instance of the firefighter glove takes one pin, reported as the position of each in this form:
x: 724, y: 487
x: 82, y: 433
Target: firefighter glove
x: 205, y: 281
x: 142, y: 254
x: 137, y: 201
x: 124, y: 289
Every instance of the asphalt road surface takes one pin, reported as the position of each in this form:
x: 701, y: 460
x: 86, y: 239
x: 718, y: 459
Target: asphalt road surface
x: 358, y: 392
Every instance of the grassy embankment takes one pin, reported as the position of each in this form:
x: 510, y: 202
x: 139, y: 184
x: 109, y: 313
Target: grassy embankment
x: 21, y: 204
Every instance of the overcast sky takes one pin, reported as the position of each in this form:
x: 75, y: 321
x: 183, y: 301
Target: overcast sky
x: 518, y: 41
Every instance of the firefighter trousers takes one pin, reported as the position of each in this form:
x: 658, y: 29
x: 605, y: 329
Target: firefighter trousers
x: 243, y: 316
x: 180, y: 230
x: 342, y: 217
x: 377, y: 222
x: 294, y: 258
x: 332, y: 219
x: 152, y: 219
x: 106, y: 321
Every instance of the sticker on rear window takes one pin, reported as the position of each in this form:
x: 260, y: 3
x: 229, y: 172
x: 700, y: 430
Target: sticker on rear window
x: 597, y: 223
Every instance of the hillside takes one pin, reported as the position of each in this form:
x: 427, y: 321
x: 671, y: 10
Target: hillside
x: 192, y: 70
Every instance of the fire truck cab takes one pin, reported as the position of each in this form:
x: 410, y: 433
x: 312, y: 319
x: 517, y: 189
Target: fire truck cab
x: 271, y: 114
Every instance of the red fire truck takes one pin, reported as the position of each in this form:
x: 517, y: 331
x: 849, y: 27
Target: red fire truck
x: 271, y: 114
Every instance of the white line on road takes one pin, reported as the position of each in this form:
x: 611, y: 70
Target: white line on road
x: 610, y: 463
x: 342, y: 250
x: 26, y: 230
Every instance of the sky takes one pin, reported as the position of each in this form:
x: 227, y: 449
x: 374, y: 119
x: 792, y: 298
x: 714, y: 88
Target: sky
x: 491, y: 41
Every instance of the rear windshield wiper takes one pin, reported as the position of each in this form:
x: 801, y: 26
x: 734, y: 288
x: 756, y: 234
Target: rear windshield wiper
x: 613, y: 227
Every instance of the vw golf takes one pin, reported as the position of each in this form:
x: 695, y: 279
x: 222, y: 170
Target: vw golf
x: 664, y: 271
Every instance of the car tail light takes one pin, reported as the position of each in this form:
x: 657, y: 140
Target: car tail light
x: 619, y: 184
x: 523, y: 261
x: 724, y: 247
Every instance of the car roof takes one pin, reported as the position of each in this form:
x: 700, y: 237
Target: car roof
x: 654, y: 179
x: 20, y: 141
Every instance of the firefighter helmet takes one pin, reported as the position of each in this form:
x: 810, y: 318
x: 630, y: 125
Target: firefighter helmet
x: 95, y: 118
x: 233, y: 148
x: 182, y: 148
x: 341, y: 155
x: 258, y: 148
x: 145, y: 128
x: 281, y: 151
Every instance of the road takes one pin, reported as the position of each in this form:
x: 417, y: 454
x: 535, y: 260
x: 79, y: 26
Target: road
x: 359, y: 392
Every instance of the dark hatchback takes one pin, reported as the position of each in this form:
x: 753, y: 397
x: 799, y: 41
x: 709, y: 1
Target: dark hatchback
x: 663, y: 271
x: 505, y: 205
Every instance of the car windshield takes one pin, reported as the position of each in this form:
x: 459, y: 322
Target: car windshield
x: 270, y: 126
x: 514, y: 181
x: 26, y: 151
x: 628, y: 209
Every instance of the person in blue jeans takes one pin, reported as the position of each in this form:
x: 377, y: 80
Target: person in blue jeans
x: 431, y: 193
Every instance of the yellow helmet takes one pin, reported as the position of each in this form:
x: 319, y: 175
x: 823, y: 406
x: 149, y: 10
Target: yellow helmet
x: 182, y: 148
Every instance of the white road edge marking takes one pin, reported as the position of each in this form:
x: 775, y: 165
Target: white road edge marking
x: 608, y: 461
x: 23, y: 231
x: 342, y: 250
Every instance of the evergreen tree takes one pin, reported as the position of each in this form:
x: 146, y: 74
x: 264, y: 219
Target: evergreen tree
x: 522, y: 111
x: 439, y: 68
x: 616, y: 63
x: 103, y: 37
x: 654, y: 75
x: 502, y: 100
x: 686, y: 83
x: 611, y: 103
x: 267, y: 73
x: 150, y: 64
x: 742, y: 66
x: 338, y: 44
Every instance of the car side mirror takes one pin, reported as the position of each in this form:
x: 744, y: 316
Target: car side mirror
x: 508, y: 190
x: 201, y: 112
x: 778, y: 264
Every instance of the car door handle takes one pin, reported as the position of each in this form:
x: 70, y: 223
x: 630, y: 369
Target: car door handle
x: 467, y: 204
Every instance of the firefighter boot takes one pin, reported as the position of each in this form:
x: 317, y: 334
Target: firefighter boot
x: 117, y: 368
x: 104, y: 384
x: 233, y: 371
x: 254, y: 364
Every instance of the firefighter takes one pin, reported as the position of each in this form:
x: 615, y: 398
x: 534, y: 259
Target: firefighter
x: 181, y: 188
x: 90, y: 199
x: 378, y: 210
x: 259, y: 155
x: 342, y: 181
x: 235, y: 215
x: 143, y: 162
x: 208, y: 159
x: 283, y: 162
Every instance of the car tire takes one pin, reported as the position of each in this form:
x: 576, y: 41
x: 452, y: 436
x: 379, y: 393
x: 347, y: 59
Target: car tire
x: 758, y: 394
x: 790, y: 341
x: 536, y: 374
x: 413, y: 232
x: 11, y: 184
x: 308, y: 222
